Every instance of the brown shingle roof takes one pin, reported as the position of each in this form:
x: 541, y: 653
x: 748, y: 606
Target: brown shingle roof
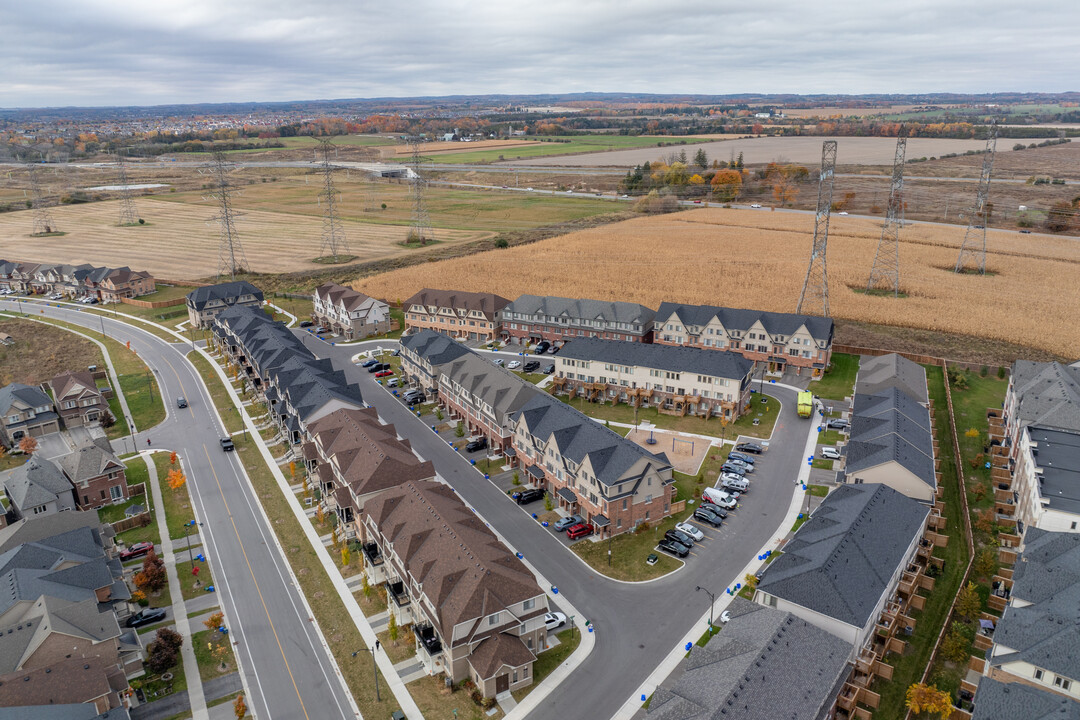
x: 498, y: 650
x: 335, y: 293
x: 465, y: 571
x: 63, y: 383
x: 487, y: 303
x: 76, y: 680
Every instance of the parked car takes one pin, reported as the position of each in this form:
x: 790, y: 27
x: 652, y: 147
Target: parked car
x: 550, y: 369
x: 567, y: 522
x: 838, y: 424
x: 320, y: 330
x: 674, y: 548
x: 748, y: 459
x: 393, y: 382
x: 749, y: 447
x: 554, y: 620
x: 679, y: 537
x: 554, y: 349
x: 369, y: 362
x: 499, y: 361
x: 705, y: 514
x: 373, y: 367
x: 744, y: 466
x: 734, y: 484
x: 137, y: 550
x: 527, y: 496
x: 148, y: 616
x: 578, y: 531
x: 415, y: 396
x: 830, y: 453
x: 732, y: 469
x: 477, y: 444
x: 541, y: 347
x: 227, y: 444
x: 306, y: 323
x: 531, y: 366
x: 181, y: 402
x: 720, y: 498
x: 690, y: 530
x: 384, y: 373
x: 513, y: 364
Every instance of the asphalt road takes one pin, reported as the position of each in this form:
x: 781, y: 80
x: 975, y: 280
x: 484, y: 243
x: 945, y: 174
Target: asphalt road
x: 287, y: 671
x: 637, y: 625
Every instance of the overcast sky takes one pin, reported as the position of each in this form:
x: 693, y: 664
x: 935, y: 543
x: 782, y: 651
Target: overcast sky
x: 144, y: 52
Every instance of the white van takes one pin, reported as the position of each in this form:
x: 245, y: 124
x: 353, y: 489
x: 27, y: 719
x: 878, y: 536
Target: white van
x: 718, y: 498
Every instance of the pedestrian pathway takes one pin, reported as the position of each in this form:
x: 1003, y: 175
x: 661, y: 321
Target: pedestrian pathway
x: 179, y: 609
x: 411, y: 669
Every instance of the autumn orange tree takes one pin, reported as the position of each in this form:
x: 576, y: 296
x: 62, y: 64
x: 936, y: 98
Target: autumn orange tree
x: 923, y: 698
x: 215, y: 621
x: 240, y: 708
x: 727, y: 184
x: 28, y: 445
x: 152, y: 577
x: 176, y: 479
x: 173, y: 458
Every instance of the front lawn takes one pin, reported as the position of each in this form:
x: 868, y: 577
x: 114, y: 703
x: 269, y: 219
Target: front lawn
x: 839, y: 379
x: 206, y: 644
x: 629, y: 552
x: 177, y: 503
x: 624, y: 413
x: 187, y: 580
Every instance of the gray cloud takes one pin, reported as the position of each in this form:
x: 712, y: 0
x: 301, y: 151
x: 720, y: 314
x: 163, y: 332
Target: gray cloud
x: 116, y: 52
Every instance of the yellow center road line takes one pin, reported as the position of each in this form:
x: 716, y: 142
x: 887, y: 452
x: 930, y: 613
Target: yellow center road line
x: 257, y: 589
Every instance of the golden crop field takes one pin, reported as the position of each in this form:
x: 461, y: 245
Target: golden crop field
x: 442, y: 148
x: 757, y: 259
x: 181, y: 240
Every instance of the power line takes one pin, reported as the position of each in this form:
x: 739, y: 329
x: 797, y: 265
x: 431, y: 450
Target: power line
x: 973, y: 249
x: 334, y: 243
x: 885, y: 272
x: 421, y: 231
x: 814, y: 298
x: 43, y: 221
x: 231, y: 259
x: 128, y: 214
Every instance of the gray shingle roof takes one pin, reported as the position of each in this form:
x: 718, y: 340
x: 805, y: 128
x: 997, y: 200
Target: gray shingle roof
x: 72, y: 531
x: 501, y: 389
x: 579, y: 437
x: 36, y: 482
x: 891, y: 427
x: 32, y: 396
x: 674, y: 358
x: 433, y: 347
x: 1018, y: 701
x: 1045, y: 632
x: 764, y: 665
x: 840, y: 562
x: 739, y: 319
x: 1058, y: 460
x: 198, y: 297
x: 90, y: 460
x: 877, y: 373
x: 1048, y: 394
x: 583, y: 308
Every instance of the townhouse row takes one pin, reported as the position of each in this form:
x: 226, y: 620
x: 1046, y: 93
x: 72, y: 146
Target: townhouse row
x: 65, y: 651
x: 474, y: 609
x: 779, y: 341
x: 104, y: 284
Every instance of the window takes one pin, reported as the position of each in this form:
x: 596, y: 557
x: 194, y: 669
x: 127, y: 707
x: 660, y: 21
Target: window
x: 529, y: 604
x: 1062, y: 682
x: 1038, y: 674
x: 493, y: 619
x: 1073, y: 526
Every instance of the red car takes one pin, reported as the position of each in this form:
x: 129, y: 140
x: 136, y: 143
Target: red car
x: 136, y: 550
x: 384, y: 373
x: 579, y: 531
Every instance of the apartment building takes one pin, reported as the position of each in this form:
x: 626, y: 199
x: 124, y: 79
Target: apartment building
x: 79, y: 401
x: 469, y: 316
x: 853, y: 564
x: 1045, y: 480
x: 297, y: 387
x: 782, y: 341
x: 613, y: 483
x: 484, y: 397
x: 675, y: 380
x: 1034, y: 642
x: 25, y: 411
x: 206, y: 303
x: 349, y: 313
x: 423, y: 355
x: 354, y: 457
x: 475, y: 609
x: 532, y: 318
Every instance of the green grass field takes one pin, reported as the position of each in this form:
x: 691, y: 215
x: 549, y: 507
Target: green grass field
x: 574, y: 144
x: 839, y: 379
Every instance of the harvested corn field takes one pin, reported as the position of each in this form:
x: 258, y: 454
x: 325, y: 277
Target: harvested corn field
x: 180, y: 241
x: 756, y: 259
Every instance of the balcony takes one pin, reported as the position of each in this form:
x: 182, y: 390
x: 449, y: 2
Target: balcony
x: 396, y: 591
x: 373, y: 554
x: 427, y: 637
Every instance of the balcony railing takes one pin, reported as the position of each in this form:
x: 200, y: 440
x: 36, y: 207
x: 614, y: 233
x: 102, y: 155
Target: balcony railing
x: 428, y: 638
x: 396, y: 591
x: 373, y: 554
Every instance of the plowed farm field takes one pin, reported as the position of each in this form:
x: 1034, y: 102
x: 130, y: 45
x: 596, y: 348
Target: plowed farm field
x: 757, y: 259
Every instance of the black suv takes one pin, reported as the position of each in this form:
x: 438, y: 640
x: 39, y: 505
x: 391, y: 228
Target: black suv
x: 478, y: 444
x: 541, y: 347
x: 680, y: 537
x: 528, y: 496
x: 673, y: 547
x: 531, y: 366
x: 749, y: 447
x: 227, y: 444
x: 706, y: 515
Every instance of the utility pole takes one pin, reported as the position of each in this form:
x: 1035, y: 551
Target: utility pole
x: 334, y: 244
x: 420, y: 231
x: 973, y: 250
x: 374, y: 669
x: 885, y: 272
x: 712, y: 599
x: 128, y: 214
x: 43, y: 221
x: 814, y: 299
x: 231, y: 259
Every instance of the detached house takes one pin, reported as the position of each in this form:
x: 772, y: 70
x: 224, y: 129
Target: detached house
x: 532, y: 318
x: 206, y: 303
x: 79, y: 401
x: 88, y: 475
x: 613, y: 483
x: 350, y: 313
x: 469, y: 316
x: 25, y: 411
x: 781, y: 340
x: 38, y: 487
x: 475, y: 609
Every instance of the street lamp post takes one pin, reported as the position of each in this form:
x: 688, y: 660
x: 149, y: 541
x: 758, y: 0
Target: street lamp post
x: 374, y: 668
x: 712, y: 599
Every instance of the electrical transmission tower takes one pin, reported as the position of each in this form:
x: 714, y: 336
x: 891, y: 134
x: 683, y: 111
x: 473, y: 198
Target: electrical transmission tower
x: 814, y: 299
x: 885, y: 273
x: 421, y: 231
x: 334, y: 243
x: 974, y: 248
x: 231, y: 258
x: 43, y: 222
x: 128, y: 214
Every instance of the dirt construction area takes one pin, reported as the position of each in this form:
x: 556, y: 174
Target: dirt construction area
x: 684, y: 454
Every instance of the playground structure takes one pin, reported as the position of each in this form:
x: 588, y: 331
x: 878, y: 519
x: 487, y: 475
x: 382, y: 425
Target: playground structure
x: 685, y: 454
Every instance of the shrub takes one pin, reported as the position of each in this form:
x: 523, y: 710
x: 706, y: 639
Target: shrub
x: 983, y: 370
x: 1001, y: 372
x: 955, y: 646
x: 502, y: 243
